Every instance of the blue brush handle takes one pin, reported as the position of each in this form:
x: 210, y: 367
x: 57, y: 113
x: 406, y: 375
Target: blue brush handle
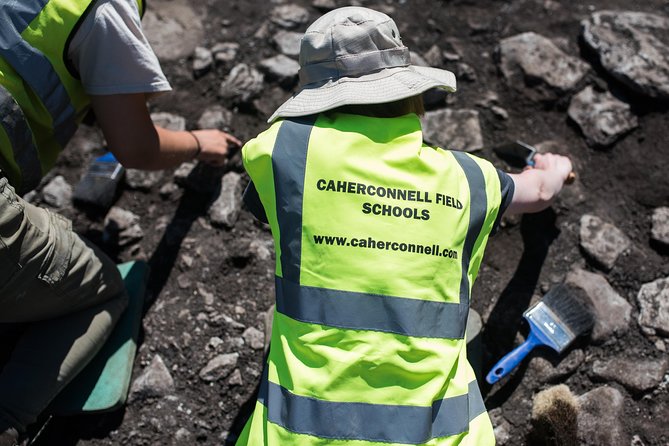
x: 511, y: 360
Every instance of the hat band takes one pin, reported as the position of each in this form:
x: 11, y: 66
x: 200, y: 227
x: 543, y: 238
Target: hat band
x: 354, y: 65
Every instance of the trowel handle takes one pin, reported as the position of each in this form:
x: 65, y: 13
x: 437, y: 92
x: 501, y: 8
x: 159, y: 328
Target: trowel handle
x: 511, y: 360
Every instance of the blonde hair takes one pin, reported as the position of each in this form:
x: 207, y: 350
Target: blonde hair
x: 413, y: 104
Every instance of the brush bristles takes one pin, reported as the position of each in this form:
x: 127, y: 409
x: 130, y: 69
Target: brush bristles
x: 570, y: 310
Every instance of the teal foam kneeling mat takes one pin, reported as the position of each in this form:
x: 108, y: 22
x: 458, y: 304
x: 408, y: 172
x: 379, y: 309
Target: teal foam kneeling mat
x: 103, y: 385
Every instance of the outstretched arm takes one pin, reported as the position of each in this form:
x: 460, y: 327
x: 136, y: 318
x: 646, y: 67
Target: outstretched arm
x: 138, y: 143
x: 536, y: 188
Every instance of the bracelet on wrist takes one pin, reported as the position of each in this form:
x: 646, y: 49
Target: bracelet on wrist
x: 198, y: 150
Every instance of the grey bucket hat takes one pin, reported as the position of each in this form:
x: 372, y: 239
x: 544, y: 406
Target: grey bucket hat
x: 355, y: 55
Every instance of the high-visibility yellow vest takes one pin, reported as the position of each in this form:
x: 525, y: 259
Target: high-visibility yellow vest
x: 41, y: 97
x: 378, y: 240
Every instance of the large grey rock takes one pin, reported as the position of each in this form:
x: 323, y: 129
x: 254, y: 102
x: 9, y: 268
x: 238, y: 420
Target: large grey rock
x: 57, y: 193
x: 169, y: 121
x: 660, y: 225
x: 173, y: 29
x: 122, y: 227
x: 636, y: 374
x: 282, y: 68
x: 633, y: 47
x: 219, y: 367
x: 613, y: 314
x: 653, y: 301
x: 142, y: 179
x: 453, y: 129
x: 155, y: 381
x: 602, y: 118
x: 289, y: 16
x: 242, y: 84
x: 602, y: 241
x: 288, y: 42
x: 600, y: 418
x: 532, y: 60
x: 225, y: 210
x: 215, y: 117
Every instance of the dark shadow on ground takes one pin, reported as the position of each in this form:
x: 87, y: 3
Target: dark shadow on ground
x: 245, y: 410
x: 506, y: 319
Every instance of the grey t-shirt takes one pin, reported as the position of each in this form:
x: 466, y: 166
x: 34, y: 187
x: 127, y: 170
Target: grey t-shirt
x: 112, y: 54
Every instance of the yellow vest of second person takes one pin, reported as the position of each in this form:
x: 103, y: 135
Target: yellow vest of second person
x: 41, y: 97
x: 378, y: 240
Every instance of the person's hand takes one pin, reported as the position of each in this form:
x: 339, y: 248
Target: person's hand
x: 536, y: 187
x: 556, y: 165
x: 215, y: 146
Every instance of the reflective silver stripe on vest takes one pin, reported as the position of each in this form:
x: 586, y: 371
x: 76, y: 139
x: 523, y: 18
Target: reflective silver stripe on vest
x: 289, y: 162
x: 34, y: 67
x: 25, y: 153
x: 370, y: 422
x: 478, y: 207
x: 362, y: 311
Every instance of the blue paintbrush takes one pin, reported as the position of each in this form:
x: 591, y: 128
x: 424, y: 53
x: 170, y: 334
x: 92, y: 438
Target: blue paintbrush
x: 555, y: 321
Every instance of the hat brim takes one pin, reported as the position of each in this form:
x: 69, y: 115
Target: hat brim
x: 387, y: 85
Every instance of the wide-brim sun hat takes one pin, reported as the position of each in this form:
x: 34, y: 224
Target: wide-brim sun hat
x: 355, y: 55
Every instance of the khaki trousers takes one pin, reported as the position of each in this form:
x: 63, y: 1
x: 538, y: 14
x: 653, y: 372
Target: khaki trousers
x: 63, y: 295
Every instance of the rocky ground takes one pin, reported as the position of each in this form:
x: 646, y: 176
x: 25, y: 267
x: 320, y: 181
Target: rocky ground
x: 587, y: 79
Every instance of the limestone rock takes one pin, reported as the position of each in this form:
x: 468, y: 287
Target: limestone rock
x: 169, y: 121
x: 545, y: 371
x: 155, y: 381
x: 289, y: 16
x: 203, y: 59
x: 225, y: 210
x: 660, y: 225
x: 633, y: 47
x: 602, y: 118
x: 532, y: 60
x: 653, y: 301
x: 600, y: 417
x: 254, y: 337
x: 282, y: 68
x: 182, y: 173
x: 602, y: 241
x: 173, y: 30
x: 502, y: 428
x: 636, y: 374
x: 122, y: 227
x: 288, y: 42
x: 225, y: 52
x: 612, y: 312
x: 57, y: 193
x: 219, y: 367
x: 453, y: 129
x: 142, y: 179
x: 324, y: 5
x: 242, y: 84
x: 215, y: 117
